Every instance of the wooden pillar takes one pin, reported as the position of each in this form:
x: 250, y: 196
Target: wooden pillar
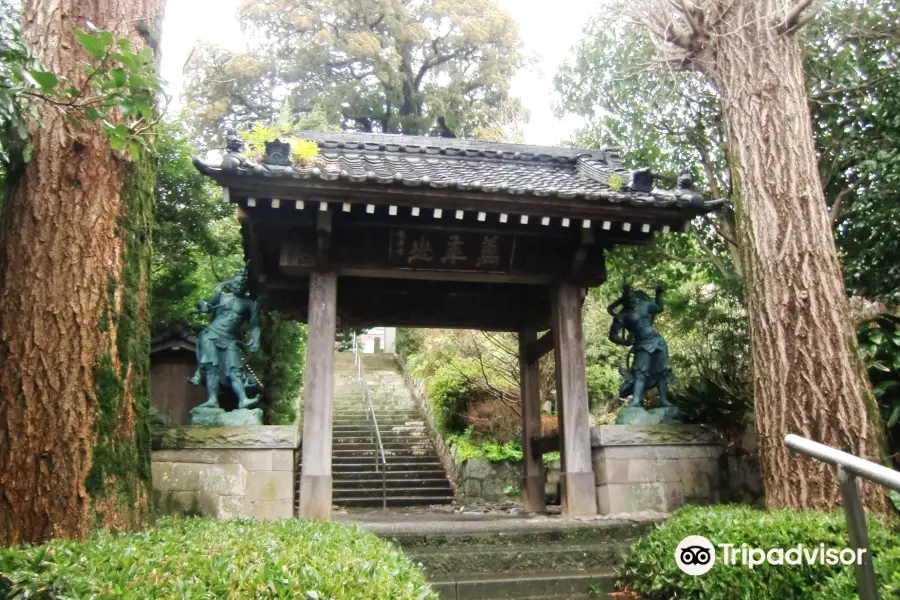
x: 579, y: 495
x: 530, y: 392
x: 318, y: 392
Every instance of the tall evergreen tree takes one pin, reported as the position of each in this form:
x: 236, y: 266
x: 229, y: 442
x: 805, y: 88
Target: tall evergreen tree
x: 74, y: 262
x: 428, y: 67
x: 808, y: 377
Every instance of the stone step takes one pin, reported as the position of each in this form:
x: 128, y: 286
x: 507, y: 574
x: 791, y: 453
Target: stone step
x: 373, y: 480
x: 410, y: 463
x: 396, y: 475
x: 362, y: 411
x: 393, y: 501
x: 387, y: 438
x: 422, y: 445
x: 588, y: 534
x: 366, y: 432
x: 379, y: 403
x: 546, y: 585
x: 397, y: 455
x: 386, y: 424
x: 372, y: 492
x: 405, y: 415
x: 508, y: 559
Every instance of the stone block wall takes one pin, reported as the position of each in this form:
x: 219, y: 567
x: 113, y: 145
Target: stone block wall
x: 655, y: 467
x: 481, y: 479
x: 226, y: 472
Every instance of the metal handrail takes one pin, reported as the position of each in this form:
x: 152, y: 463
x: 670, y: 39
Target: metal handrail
x: 849, y: 467
x: 357, y: 358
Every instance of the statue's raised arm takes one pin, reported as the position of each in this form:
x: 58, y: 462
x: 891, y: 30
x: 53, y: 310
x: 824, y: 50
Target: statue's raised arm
x: 617, y: 332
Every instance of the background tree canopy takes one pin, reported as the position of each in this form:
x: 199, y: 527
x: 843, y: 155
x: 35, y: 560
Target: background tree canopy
x: 437, y: 67
x: 668, y: 120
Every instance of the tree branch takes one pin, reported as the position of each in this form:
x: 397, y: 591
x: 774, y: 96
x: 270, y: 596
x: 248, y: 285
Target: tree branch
x: 799, y: 15
x: 835, y: 211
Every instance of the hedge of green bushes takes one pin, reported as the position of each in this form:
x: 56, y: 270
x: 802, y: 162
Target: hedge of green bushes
x: 202, y: 558
x: 651, y: 571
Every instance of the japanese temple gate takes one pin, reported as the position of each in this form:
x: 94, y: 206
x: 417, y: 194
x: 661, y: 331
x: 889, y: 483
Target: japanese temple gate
x: 435, y: 232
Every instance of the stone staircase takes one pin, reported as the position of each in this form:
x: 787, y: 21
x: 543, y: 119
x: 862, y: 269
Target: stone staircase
x: 414, y: 475
x: 556, y: 563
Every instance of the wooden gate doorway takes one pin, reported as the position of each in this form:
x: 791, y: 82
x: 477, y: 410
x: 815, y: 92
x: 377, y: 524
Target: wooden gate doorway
x: 407, y: 231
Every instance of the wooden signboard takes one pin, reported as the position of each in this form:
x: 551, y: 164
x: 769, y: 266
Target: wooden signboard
x: 430, y: 249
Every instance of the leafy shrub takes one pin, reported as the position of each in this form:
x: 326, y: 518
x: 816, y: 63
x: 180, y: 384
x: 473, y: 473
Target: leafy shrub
x: 494, y: 420
x: 710, y: 350
x: 467, y: 448
x: 202, y: 558
x: 279, y: 365
x: 650, y: 568
x: 304, y: 152
x: 603, y: 383
x: 451, y: 394
x: 879, y: 340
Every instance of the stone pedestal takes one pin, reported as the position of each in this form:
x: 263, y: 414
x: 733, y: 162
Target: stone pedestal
x: 218, y: 417
x: 637, y: 415
x: 654, y: 467
x: 226, y: 472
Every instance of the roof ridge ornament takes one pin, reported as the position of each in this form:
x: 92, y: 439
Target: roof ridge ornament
x: 278, y: 153
x: 234, y: 158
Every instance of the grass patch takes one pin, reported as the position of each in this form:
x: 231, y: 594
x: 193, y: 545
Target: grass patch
x: 204, y: 558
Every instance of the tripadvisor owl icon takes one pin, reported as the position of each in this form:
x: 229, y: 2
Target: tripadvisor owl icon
x: 695, y: 555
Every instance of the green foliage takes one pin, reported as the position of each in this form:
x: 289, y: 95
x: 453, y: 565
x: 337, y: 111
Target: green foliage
x: 651, y: 571
x: 196, y: 237
x: 303, y: 152
x: 711, y: 356
x: 615, y: 182
x: 603, y: 383
x: 467, y: 448
x: 425, y: 67
x: 853, y: 74
x: 119, y: 82
x: 279, y: 366
x: 450, y: 394
x: 879, y: 340
x: 202, y: 558
x: 407, y: 343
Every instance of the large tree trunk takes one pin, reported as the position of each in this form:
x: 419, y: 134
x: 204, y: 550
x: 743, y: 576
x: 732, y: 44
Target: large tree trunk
x: 74, y: 444
x: 808, y: 377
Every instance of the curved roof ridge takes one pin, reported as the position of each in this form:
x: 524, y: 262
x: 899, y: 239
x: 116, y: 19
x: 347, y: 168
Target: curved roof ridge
x: 395, y: 142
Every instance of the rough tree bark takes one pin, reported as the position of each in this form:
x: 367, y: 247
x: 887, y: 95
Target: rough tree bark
x: 808, y: 377
x: 74, y: 449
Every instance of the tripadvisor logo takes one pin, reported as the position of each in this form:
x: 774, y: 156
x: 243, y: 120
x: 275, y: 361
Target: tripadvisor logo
x: 696, y: 555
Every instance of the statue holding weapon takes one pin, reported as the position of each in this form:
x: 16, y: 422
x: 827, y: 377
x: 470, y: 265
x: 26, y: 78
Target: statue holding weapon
x: 633, y: 314
x: 219, y: 357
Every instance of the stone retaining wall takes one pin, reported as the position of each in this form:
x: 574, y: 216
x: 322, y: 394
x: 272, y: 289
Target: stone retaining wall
x: 655, y: 467
x: 226, y: 472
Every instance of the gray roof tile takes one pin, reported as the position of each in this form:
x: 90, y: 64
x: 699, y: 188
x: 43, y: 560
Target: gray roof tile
x: 467, y: 165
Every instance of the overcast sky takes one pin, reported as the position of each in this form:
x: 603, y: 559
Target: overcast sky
x: 548, y: 30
